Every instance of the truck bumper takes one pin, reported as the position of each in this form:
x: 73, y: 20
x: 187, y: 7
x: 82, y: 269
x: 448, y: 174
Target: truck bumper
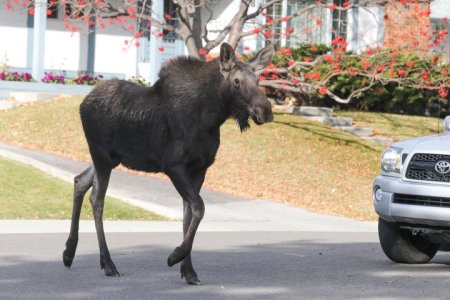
x: 407, y: 213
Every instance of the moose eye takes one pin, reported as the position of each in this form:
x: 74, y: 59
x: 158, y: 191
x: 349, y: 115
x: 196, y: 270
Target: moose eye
x: 236, y: 81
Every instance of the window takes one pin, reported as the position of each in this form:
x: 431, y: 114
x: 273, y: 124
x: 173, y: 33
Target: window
x: 170, y: 10
x: 309, y: 27
x: 436, y: 26
x: 274, y: 12
x: 339, y: 21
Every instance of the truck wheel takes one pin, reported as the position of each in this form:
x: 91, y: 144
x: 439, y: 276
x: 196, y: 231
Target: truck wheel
x: 401, y: 246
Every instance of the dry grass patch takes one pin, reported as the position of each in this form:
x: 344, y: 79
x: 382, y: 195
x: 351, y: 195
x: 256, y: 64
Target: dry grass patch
x: 291, y: 160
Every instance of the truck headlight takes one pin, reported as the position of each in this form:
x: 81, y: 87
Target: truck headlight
x: 391, y: 161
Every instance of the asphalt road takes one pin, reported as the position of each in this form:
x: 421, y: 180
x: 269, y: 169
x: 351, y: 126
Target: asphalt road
x: 231, y: 265
x: 245, y: 249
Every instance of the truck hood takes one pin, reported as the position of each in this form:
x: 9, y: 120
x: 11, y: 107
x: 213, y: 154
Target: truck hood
x: 439, y: 143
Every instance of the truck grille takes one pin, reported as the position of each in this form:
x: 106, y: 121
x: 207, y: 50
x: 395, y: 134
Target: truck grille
x: 421, y: 200
x: 422, y: 167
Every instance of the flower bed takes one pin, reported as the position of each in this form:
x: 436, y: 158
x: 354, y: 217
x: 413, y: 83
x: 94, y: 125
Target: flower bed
x: 16, y: 76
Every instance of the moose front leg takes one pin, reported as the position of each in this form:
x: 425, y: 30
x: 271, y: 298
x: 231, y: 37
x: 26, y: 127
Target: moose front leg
x: 186, y: 187
x: 186, y: 269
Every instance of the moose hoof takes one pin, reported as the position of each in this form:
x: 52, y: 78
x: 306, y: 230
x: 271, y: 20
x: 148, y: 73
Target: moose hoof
x: 110, y: 268
x: 67, y: 259
x: 191, y: 278
x: 176, y: 256
x: 69, y: 253
x: 189, y: 274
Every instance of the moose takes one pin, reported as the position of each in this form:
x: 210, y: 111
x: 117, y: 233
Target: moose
x: 171, y: 127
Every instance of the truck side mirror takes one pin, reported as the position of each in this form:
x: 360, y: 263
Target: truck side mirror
x: 447, y: 123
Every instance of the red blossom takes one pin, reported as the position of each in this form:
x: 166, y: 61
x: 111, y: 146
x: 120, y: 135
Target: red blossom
x: 256, y: 30
x: 268, y: 34
x: 323, y: 90
x: 31, y: 11
x: 402, y: 72
x: 285, y: 19
x: 313, y: 48
x: 291, y: 63
x: 202, y: 51
x: 161, y: 48
x: 319, y: 22
x: 316, y: 75
x: 443, y: 92
x: 49, y: 12
x: 435, y: 59
x: 295, y: 80
x: 332, y: 6
x: 425, y: 76
x: 409, y: 64
x: 289, y: 30
x: 274, y: 76
x: 262, y: 78
x: 365, y: 64
x: 307, y: 59
x: 381, y: 68
x: 286, y: 51
x: 338, y: 40
x: 246, y: 48
x: 444, y: 73
x: 329, y: 58
x: 131, y: 12
x: 346, y: 4
x: 442, y: 33
x: 269, y: 20
x: 138, y: 35
x: 137, y: 44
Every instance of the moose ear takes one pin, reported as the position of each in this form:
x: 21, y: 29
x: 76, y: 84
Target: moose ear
x: 227, y: 59
x: 262, y: 59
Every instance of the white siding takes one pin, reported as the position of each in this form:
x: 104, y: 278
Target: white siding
x: 15, y: 36
x: 440, y: 9
x: 365, y: 28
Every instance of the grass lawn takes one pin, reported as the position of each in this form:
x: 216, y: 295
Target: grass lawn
x: 397, y: 127
x: 292, y: 160
x: 27, y: 193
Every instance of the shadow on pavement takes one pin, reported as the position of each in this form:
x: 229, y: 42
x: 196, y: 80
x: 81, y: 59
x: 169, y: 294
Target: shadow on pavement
x: 237, y: 265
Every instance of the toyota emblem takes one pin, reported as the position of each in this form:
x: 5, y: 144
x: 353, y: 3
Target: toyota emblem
x: 442, y: 167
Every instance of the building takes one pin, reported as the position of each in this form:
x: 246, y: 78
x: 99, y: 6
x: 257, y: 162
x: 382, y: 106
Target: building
x: 45, y: 43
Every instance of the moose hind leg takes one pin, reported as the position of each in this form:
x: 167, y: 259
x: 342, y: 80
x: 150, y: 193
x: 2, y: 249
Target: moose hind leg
x: 82, y: 183
x: 97, y: 200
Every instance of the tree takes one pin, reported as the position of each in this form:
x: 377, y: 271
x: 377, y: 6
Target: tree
x: 373, y: 66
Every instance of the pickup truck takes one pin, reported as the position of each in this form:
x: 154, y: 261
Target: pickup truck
x: 412, y: 198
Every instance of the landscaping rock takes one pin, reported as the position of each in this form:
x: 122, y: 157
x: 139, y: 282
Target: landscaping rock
x: 6, y: 104
x: 358, y: 131
x: 304, y: 110
x: 381, y: 140
x: 25, y: 97
x: 332, y: 121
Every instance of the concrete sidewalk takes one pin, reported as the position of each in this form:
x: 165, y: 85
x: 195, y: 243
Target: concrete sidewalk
x: 223, y: 212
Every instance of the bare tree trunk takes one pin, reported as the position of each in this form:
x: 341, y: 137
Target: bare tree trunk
x: 238, y: 24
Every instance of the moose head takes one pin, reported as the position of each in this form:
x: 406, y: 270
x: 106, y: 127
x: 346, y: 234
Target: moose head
x: 241, y: 82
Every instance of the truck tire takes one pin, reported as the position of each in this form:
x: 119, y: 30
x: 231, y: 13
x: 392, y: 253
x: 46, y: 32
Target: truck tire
x: 401, y: 246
